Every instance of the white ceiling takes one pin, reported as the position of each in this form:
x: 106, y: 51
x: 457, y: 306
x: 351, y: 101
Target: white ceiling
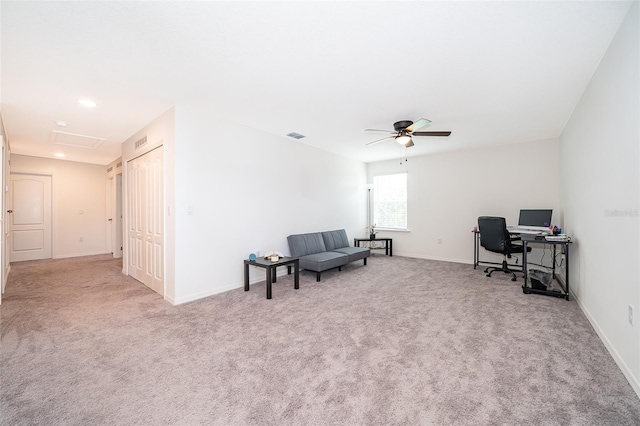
x: 491, y: 72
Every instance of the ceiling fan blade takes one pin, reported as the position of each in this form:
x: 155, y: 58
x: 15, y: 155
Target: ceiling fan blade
x: 380, y: 140
x: 377, y: 130
x: 431, y: 133
x: 418, y: 124
x: 409, y: 144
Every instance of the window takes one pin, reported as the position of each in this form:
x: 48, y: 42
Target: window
x: 390, y: 201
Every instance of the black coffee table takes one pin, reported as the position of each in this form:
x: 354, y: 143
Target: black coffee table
x: 271, y: 271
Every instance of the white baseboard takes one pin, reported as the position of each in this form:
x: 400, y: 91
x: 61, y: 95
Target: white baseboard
x: 197, y: 296
x: 65, y: 256
x: 212, y: 292
x: 633, y: 381
x: 443, y: 259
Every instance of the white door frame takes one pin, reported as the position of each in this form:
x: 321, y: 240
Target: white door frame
x: 117, y: 216
x: 109, y: 212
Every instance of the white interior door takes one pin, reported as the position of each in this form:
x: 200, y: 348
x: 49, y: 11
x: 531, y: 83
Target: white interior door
x: 30, y: 216
x: 135, y: 193
x: 154, y: 229
x: 3, y: 275
x: 145, y: 219
x: 6, y: 179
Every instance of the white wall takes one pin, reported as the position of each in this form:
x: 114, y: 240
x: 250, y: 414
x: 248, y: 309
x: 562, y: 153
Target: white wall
x: 247, y: 190
x: 447, y: 192
x: 600, y: 161
x: 76, y: 187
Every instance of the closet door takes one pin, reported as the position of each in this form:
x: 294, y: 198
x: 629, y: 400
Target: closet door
x: 145, y: 217
x: 153, y: 223
x: 135, y: 193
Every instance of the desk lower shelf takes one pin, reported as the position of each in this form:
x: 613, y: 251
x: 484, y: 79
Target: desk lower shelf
x: 564, y: 286
x: 555, y: 293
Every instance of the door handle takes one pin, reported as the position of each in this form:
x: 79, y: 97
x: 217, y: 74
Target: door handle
x: 109, y: 219
x: 9, y: 211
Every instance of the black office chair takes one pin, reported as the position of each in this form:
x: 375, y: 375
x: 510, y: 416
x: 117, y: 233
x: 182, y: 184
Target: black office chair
x: 494, y: 237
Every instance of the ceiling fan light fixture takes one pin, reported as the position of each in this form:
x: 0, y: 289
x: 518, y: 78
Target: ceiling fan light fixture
x: 87, y: 103
x: 403, y: 139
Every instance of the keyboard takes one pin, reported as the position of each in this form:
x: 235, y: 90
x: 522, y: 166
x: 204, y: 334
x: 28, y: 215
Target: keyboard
x: 557, y: 238
x: 525, y: 231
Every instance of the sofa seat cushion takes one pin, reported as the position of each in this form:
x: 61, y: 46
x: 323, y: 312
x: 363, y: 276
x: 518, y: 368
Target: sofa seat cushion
x: 319, y: 262
x: 354, y: 253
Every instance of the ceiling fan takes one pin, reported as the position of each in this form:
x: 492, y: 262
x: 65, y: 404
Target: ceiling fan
x: 405, y: 129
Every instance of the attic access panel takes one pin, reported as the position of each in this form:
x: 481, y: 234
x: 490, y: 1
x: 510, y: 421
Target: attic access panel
x: 73, y: 139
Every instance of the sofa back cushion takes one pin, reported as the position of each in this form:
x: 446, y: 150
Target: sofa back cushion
x: 335, y: 239
x: 304, y: 244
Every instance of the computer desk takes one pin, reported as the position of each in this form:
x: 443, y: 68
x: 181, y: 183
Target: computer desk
x: 526, y: 240
x: 534, y: 239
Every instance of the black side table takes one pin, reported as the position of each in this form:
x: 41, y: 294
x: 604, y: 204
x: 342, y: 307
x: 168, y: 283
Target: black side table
x: 388, y: 244
x: 271, y: 271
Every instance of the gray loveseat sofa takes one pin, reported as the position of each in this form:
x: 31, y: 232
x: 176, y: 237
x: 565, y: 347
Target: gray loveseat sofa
x: 321, y: 251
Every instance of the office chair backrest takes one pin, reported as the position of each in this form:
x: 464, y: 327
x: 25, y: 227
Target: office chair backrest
x: 493, y: 234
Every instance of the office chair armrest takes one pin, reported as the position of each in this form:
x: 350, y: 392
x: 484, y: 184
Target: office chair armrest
x: 515, y: 237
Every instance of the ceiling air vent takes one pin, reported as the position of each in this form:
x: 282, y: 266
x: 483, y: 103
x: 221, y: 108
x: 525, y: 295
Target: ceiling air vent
x: 141, y: 142
x: 295, y: 135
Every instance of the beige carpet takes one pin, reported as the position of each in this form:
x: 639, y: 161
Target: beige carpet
x: 400, y: 341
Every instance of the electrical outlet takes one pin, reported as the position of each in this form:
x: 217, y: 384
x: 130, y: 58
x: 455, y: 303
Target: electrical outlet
x: 439, y: 240
x: 81, y: 239
x: 630, y: 314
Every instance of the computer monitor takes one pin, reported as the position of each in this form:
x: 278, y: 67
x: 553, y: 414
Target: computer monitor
x: 535, y: 219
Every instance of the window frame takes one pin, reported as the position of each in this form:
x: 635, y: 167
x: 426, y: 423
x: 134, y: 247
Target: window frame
x: 375, y: 197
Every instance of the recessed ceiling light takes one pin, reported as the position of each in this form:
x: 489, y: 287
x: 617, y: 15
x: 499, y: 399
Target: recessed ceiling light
x: 62, y: 123
x: 59, y: 155
x: 87, y: 102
